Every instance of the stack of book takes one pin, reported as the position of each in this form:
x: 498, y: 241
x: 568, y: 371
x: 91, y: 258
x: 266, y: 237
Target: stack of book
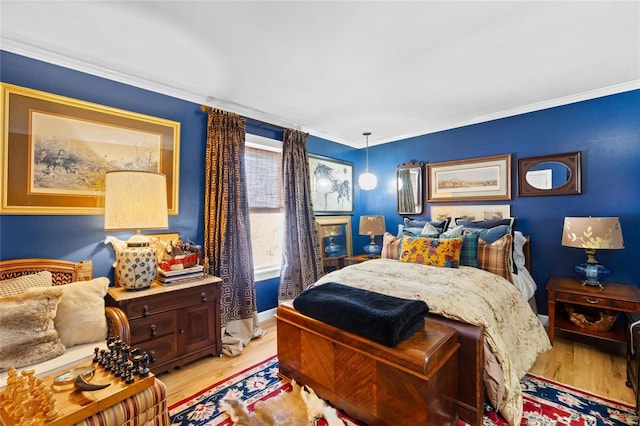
x: 179, y: 276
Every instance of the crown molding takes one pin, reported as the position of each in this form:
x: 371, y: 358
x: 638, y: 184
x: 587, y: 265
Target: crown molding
x: 48, y: 56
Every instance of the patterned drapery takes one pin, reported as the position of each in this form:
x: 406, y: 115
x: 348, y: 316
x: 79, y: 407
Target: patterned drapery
x: 301, y: 256
x: 227, y: 242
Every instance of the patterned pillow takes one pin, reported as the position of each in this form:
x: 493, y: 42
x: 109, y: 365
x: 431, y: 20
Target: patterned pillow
x: 469, y: 252
x: 20, y: 284
x: 495, y: 257
x: 492, y: 230
x: 390, y: 246
x: 443, y: 252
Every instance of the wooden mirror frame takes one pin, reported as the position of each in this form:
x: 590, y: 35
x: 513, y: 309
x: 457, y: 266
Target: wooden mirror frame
x: 420, y: 198
x: 573, y: 185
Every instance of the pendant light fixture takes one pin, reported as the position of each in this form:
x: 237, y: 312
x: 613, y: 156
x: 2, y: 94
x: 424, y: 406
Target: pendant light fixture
x: 367, y: 181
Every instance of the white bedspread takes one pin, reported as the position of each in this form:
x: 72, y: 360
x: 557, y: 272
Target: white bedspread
x: 513, y: 333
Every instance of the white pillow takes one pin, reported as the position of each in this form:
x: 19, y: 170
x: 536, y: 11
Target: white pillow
x: 456, y: 231
x: 429, y: 229
x: 19, y: 284
x: 80, y: 317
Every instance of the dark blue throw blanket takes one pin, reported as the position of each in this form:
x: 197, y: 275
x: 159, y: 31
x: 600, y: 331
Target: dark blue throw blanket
x: 384, y: 319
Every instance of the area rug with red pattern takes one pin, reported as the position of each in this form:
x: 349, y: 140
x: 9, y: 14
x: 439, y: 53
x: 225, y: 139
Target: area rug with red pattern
x: 546, y: 403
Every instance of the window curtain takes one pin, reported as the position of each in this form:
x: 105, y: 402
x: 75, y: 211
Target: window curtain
x: 227, y: 242
x: 406, y: 201
x: 301, y: 258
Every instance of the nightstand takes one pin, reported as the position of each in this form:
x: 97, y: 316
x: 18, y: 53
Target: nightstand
x: 352, y: 260
x: 175, y: 324
x: 614, y: 296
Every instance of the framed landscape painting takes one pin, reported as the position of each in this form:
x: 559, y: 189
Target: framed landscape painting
x: 57, y: 150
x: 480, y: 179
x: 475, y: 212
x: 331, y: 185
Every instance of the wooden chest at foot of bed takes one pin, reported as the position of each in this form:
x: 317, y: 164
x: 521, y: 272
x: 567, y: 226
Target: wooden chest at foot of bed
x: 413, y: 383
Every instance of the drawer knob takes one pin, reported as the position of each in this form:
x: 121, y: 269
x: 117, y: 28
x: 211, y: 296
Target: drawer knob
x: 592, y: 301
x: 154, y: 332
x: 145, y: 310
x: 152, y: 356
x: 182, y: 331
x: 203, y: 295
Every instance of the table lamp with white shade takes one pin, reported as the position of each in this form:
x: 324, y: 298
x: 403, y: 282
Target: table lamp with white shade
x: 135, y: 200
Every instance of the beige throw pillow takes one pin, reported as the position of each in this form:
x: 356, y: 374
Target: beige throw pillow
x: 80, y: 317
x: 27, y: 333
x: 390, y: 246
x: 20, y: 284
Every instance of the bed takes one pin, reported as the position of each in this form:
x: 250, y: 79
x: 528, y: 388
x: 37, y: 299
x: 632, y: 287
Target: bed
x: 494, y: 355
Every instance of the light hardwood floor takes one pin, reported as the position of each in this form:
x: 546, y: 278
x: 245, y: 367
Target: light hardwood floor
x: 571, y: 361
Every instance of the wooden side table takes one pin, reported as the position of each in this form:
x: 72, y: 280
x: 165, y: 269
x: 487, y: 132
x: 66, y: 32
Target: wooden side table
x: 614, y: 296
x: 175, y: 324
x: 352, y: 260
x: 332, y: 263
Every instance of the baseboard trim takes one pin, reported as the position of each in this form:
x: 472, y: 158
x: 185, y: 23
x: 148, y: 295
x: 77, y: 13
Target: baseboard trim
x: 265, y: 315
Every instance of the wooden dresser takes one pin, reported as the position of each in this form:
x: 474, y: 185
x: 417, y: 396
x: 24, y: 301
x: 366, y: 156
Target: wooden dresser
x: 174, y: 324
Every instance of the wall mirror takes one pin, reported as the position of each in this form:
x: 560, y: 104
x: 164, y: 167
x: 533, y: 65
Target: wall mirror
x: 557, y: 174
x: 410, y: 197
x: 335, y: 239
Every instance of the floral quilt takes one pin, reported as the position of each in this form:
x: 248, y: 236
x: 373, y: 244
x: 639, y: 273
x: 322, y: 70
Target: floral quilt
x: 513, y: 333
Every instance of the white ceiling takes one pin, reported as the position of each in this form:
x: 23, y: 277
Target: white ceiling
x: 336, y: 69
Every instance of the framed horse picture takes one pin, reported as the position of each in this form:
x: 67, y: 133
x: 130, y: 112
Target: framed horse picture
x: 331, y: 185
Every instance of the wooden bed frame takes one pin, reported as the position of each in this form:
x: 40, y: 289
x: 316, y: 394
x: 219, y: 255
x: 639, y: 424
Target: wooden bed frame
x: 471, y: 387
x: 64, y: 272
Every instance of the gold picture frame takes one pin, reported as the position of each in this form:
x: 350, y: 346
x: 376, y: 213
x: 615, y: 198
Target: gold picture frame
x: 473, y: 179
x: 56, y: 151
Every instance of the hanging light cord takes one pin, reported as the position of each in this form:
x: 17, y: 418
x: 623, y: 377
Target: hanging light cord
x: 366, y: 135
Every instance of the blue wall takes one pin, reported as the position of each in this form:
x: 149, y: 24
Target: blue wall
x: 81, y: 237
x: 605, y: 130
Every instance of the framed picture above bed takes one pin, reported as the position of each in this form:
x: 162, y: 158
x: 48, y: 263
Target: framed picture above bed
x: 331, y: 185
x: 477, y: 212
x: 473, y: 179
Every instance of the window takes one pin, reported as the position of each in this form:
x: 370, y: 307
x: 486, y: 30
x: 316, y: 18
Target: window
x: 263, y: 159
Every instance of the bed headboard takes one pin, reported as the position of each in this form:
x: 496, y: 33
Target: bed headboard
x: 62, y: 271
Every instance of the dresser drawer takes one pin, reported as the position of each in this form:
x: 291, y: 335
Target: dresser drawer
x: 595, y: 300
x: 153, y: 326
x: 145, y: 306
x: 165, y: 349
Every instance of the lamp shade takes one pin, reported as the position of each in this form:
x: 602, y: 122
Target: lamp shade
x: 135, y: 200
x: 331, y: 230
x: 372, y: 225
x: 600, y: 233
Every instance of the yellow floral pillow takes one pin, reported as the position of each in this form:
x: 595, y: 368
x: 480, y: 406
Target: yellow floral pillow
x: 444, y: 252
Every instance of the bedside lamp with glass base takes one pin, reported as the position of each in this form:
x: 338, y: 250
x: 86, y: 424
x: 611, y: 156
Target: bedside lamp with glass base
x: 372, y: 226
x: 592, y: 234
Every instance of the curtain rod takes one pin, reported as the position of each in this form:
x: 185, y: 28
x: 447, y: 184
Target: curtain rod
x: 263, y: 125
